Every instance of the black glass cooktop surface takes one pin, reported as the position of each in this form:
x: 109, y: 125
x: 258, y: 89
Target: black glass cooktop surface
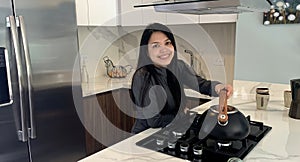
x: 180, y: 139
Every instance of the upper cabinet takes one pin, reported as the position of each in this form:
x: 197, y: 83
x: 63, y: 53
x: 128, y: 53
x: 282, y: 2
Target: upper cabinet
x: 97, y: 12
x: 82, y: 12
x: 150, y: 15
x: 123, y: 12
x: 129, y: 15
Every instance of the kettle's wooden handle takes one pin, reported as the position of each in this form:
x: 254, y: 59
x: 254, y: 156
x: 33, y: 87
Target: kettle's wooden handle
x: 223, y: 117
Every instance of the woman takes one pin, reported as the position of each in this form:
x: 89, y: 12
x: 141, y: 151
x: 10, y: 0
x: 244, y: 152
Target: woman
x: 158, y: 83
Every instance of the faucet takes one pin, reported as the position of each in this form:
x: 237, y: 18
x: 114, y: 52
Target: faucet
x: 192, y: 57
x: 198, y: 71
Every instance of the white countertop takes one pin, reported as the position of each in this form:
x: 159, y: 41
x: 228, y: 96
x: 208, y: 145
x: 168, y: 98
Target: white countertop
x: 282, y: 143
x: 105, y: 84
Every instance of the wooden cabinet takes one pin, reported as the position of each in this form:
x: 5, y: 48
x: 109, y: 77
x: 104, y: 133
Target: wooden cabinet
x: 107, y: 119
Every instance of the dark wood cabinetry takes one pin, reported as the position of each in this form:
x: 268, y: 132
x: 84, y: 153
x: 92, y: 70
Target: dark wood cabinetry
x: 108, y: 118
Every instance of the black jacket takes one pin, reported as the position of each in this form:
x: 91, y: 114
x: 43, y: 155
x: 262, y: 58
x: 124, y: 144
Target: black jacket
x: 158, y: 93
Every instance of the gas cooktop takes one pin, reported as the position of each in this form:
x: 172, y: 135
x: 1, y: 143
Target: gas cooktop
x: 180, y: 139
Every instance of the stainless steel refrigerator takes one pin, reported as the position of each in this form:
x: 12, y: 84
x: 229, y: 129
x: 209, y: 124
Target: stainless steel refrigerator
x: 40, y: 92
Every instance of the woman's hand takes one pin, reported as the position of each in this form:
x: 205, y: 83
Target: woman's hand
x: 186, y: 110
x: 228, y: 87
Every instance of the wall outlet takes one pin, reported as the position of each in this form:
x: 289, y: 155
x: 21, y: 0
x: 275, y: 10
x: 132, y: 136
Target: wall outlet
x: 219, y: 61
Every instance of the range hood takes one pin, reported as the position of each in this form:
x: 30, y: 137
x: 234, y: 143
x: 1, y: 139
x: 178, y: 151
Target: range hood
x: 200, y: 7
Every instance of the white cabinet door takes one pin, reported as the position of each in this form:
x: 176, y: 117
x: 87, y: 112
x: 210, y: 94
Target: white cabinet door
x: 129, y: 15
x: 82, y: 12
x: 103, y: 12
x: 151, y: 16
x: 97, y: 12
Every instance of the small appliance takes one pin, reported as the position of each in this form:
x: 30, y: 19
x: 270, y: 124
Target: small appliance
x: 295, y: 104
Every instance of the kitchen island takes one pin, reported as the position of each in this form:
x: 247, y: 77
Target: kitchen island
x: 280, y: 144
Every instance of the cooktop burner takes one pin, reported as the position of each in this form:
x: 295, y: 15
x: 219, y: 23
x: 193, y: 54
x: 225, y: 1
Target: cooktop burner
x: 180, y: 139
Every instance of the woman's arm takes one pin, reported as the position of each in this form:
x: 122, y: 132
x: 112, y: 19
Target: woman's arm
x: 195, y: 82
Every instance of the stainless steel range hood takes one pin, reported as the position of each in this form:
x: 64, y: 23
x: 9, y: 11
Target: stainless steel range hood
x: 200, y: 7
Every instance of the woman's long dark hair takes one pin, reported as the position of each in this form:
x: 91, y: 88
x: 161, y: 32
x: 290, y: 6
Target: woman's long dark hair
x: 143, y: 53
x: 144, y: 61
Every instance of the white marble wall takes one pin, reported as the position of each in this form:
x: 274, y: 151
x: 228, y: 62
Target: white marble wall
x: 211, y: 47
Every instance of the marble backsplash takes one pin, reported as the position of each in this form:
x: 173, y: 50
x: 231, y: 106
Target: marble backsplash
x: 121, y: 45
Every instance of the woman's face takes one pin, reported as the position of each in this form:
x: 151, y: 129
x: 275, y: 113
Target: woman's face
x: 160, y: 49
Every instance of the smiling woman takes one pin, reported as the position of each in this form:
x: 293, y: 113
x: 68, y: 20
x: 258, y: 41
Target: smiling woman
x: 161, y: 49
x: 158, y: 83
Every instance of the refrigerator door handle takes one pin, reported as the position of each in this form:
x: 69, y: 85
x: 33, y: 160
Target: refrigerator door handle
x: 31, y: 129
x: 12, y: 24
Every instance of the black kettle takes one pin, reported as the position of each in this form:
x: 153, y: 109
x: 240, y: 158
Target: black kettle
x: 223, y: 122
